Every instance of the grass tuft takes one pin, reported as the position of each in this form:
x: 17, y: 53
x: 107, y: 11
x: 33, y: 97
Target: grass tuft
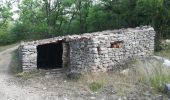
x: 159, y: 81
x: 28, y: 75
x: 153, y: 74
x: 24, y: 75
x: 94, y: 86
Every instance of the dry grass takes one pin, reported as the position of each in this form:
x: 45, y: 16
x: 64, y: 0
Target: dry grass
x: 148, y: 73
x: 120, y: 82
x: 153, y: 74
x: 27, y: 75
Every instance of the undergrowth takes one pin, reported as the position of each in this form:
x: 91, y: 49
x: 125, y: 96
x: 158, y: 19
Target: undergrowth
x: 165, y: 52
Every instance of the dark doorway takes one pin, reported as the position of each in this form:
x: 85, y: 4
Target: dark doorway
x: 49, y: 56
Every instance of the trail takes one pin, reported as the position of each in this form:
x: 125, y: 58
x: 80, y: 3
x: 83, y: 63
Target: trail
x: 37, y: 88
x: 8, y: 89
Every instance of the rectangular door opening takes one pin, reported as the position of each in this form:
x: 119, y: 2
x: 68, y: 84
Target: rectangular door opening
x: 49, y: 56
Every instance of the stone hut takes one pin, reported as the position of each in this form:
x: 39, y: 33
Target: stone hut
x: 90, y: 52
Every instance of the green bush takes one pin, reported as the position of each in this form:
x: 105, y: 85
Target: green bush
x: 94, y: 86
x: 7, y: 39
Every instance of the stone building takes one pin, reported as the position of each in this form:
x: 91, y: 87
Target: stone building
x: 99, y: 51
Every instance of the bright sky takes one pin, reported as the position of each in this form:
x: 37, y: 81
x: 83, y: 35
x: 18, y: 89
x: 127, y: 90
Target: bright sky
x: 15, y: 8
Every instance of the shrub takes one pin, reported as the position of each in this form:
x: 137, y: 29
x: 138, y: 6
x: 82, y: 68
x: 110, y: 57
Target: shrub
x: 165, y: 50
x: 7, y: 38
x: 94, y: 86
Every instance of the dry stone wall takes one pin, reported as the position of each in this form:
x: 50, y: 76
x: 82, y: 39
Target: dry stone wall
x: 99, y: 51
x: 98, y: 54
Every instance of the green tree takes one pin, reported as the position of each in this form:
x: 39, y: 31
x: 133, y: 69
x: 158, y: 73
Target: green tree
x: 49, y: 18
x: 5, y: 24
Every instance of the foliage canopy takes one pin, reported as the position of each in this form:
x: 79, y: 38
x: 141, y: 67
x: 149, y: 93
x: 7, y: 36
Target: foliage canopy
x: 48, y: 18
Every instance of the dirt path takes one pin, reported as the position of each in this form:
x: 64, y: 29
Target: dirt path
x: 37, y: 88
x: 8, y: 89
